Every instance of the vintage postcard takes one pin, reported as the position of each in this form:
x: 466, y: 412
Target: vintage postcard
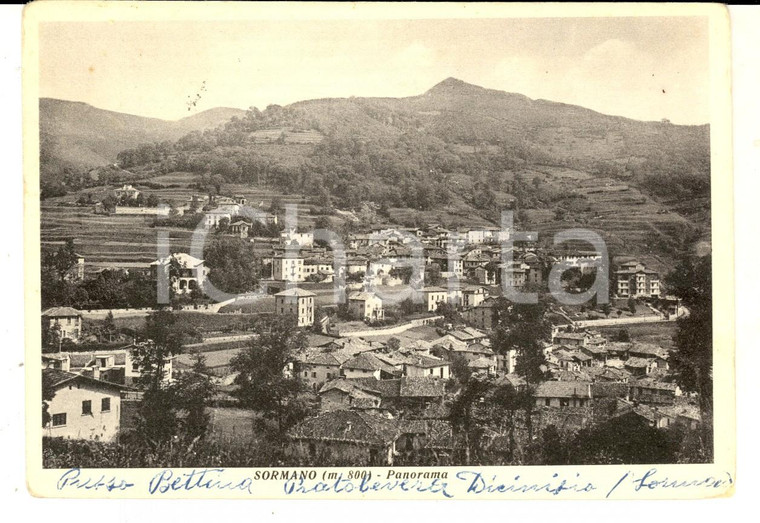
x: 378, y: 251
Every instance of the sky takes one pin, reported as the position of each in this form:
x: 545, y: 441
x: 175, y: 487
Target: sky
x: 642, y: 68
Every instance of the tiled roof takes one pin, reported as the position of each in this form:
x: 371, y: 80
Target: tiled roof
x: 295, y: 291
x: 347, y: 426
x: 53, y: 378
x: 426, y: 362
x: 318, y: 340
x: 654, y: 384
x: 562, y: 389
x: 59, y: 312
x: 611, y: 389
x: 80, y: 359
x: 649, y: 349
x: 322, y: 358
x: 515, y: 380
x: 184, y: 259
x: 438, y: 433
x: 386, y: 388
x: 362, y: 296
x: 421, y: 387
x: 367, y: 361
x: 481, y: 363
x: 638, y: 363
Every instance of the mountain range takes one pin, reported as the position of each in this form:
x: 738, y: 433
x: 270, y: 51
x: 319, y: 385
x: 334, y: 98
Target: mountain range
x: 78, y: 134
x: 453, y: 110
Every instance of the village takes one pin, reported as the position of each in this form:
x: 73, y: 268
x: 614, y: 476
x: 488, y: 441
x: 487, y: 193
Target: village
x: 407, y: 340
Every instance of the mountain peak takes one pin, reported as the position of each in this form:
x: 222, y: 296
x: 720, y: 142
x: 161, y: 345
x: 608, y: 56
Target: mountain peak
x: 452, y: 84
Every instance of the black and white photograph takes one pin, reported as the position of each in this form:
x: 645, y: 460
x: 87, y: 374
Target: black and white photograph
x: 415, y: 243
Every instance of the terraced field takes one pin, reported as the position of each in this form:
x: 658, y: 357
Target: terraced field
x: 125, y: 238
x: 628, y: 221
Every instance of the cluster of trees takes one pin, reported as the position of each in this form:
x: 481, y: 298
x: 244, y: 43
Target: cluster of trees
x: 692, y: 360
x: 235, y: 268
x: 262, y: 384
x: 522, y: 327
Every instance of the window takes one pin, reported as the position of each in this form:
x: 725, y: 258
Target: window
x: 59, y: 420
x: 547, y: 402
x: 105, y: 405
x: 564, y: 402
x: 86, y: 407
x: 313, y: 374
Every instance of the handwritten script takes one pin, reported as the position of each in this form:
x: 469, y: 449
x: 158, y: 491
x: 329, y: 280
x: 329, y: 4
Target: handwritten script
x: 429, y: 482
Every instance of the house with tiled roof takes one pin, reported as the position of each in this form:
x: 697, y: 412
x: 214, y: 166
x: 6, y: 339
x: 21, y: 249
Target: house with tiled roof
x: 422, y: 366
x: 367, y: 365
x: 481, y: 316
x: 427, y: 441
x: 346, y: 394
x: 296, y: 302
x: 569, y: 359
x: 66, y: 320
x: 366, y: 306
x: 184, y: 273
x: 651, y: 351
x: 633, y: 279
x: 468, y: 335
x: 563, y: 394
x: 431, y: 297
x: 81, y: 407
x: 640, y: 367
x: 608, y: 374
x: 314, y: 368
x: 483, y: 365
x: 115, y: 365
x: 448, y: 348
x: 421, y: 391
x: 365, y: 438
x: 653, y: 391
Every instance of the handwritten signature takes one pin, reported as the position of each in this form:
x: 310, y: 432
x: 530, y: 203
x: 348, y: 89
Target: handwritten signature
x: 465, y: 481
x: 73, y: 478
x: 650, y: 480
x: 208, y: 479
x: 367, y: 484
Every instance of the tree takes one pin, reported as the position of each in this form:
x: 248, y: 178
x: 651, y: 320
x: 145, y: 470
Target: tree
x: 692, y: 361
x: 461, y: 415
x: 522, y: 327
x: 233, y: 263
x: 460, y: 369
x: 276, y: 206
x: 607, y: 309
x: 152, y: 201
x: 622, y: 336
x: 632, y: 305
x: 393, y: 344
x: 51, y: 337
x: 449, y: 313
x: 109, y: 327
x: 157, y: 416
x: 264, y: 384
x: 61, y: 261
x: 223, y: 225
x: 193, y: 391
x: 432, y: 274
x: 48, y: 392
